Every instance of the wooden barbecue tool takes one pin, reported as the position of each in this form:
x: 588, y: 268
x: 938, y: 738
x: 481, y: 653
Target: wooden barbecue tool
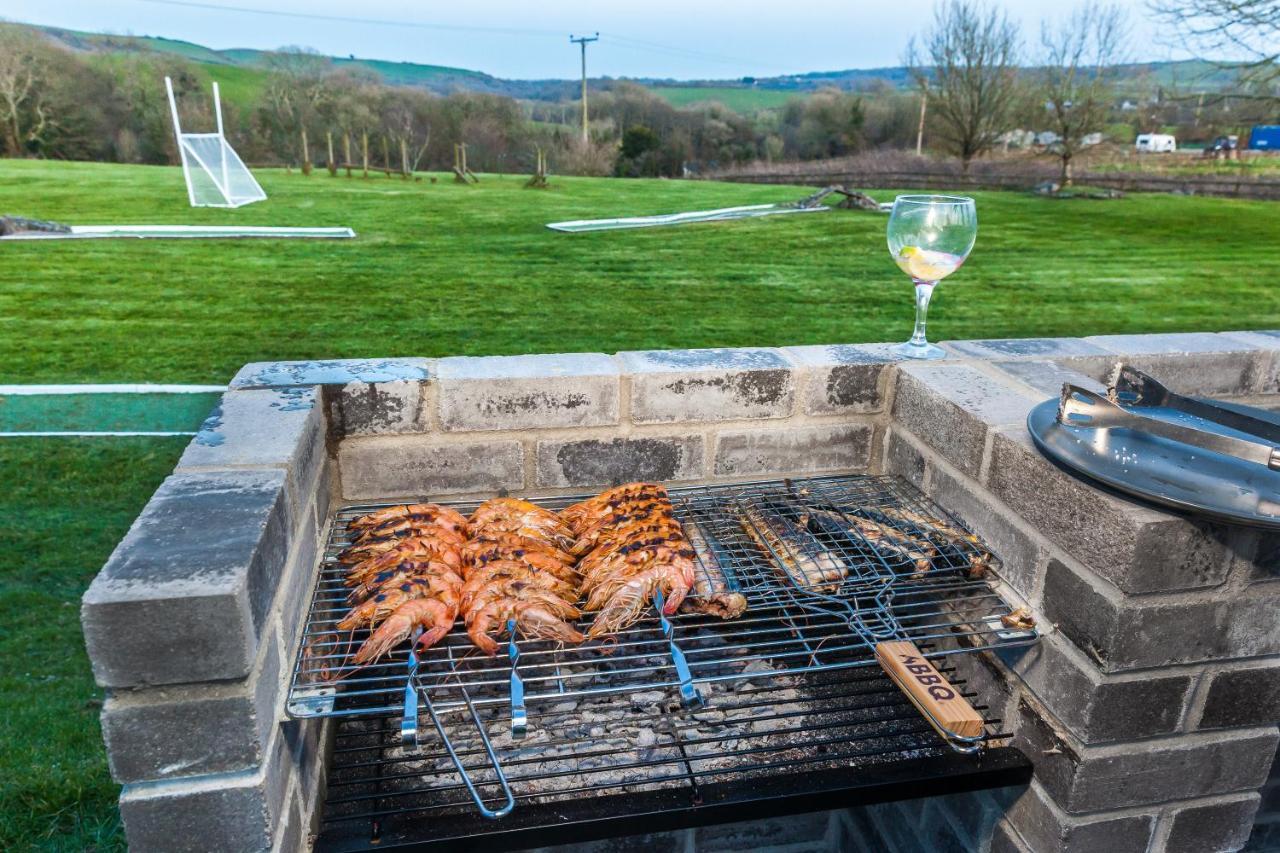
x: 931, y: 693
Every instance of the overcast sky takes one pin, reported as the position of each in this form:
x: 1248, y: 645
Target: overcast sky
x: 523, y: 39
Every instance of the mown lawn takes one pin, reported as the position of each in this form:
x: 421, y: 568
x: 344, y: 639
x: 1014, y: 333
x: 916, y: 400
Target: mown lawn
x: 444, y: 269
x: 64, y: 505
x: 448, y: 269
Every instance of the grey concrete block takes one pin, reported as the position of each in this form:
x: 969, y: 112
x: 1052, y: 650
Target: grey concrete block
x: 228, y: 811
x: 285, y: 374
x: 297, y: 584
x: 308, y: 743
x: 1047, y: 829
x: 602, y: 462
x: 1082, y: 779
x: 378, y: 467
x: 1022, y: 556
x: 1098, y: 709
x: 528, y: 391
x: 902, y: 458
x: 269, y: 428
x: 951, y: 407
x: 1005, y: 840
x: 1048, y: 377
x: 842, y: 447
x: 376, y: 408
x: 1213, y: 827
x: 184, y: 596
x: 1032, y: 348
x: 843, y: 378
x: 1242, y: 697
x: 670, y: 386
x: 1123, y: 634
x: 1136, y: 548
x: 171, y: 732
x: 1193, y: 362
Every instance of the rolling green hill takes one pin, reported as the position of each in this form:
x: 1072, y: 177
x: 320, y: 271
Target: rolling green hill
x: 743, y: 99
x: 240, y: 72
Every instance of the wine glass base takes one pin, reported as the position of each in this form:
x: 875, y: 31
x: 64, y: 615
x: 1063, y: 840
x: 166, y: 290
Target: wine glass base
x: 925, y: 351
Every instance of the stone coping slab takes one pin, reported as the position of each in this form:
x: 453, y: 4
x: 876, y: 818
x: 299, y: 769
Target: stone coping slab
x: 285, y: 374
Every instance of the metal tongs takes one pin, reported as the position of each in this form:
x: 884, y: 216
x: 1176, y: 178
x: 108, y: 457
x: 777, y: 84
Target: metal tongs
x: 1080, y: 407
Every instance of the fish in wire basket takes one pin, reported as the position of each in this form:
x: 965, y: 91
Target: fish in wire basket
x: 715, y: 589
x: 805, y: 560
x: 908, y: 539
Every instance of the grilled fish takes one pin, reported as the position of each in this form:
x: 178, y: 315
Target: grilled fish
x: 806, y: 561
x: 715, y: 590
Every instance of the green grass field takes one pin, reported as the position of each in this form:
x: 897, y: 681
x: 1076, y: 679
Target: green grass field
x: 738, y: 99
x: 446, y: 269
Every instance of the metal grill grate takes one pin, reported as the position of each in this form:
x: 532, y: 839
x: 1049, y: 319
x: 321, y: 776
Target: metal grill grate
x: 618, y: 765
x: 789, y: 627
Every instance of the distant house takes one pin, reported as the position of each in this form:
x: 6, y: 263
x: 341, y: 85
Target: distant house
x: 1017, y: 138
x: 1047, y: 138
x: 1265, y: 137
x: 1091, y: 139
x: 1128, y: 105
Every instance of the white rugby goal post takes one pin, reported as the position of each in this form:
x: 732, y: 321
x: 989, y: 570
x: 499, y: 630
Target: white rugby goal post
x: 215, y: 174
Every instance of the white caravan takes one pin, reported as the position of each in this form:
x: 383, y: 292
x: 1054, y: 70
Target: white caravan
x: 1155, y: 143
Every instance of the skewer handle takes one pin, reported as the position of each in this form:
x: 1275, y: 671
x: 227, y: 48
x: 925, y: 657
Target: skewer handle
x: 519, y: 717
x: 931, y: 693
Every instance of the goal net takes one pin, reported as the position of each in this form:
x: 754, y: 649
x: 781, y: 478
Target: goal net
x: 215, y: 174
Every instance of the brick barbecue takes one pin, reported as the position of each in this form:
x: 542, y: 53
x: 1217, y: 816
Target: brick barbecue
x: 1148, y: 708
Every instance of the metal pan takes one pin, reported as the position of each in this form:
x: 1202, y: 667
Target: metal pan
x: 1163, y: 471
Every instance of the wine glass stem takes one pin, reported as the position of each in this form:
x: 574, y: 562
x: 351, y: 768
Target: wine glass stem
x: 924, y: 290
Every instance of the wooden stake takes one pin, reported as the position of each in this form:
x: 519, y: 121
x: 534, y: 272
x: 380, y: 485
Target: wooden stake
x: 386, y: 158
x: 404, y: 158
x: 306, y: 154
x: 332, y: 164
x: 364, y: 146
x: 346, y: 151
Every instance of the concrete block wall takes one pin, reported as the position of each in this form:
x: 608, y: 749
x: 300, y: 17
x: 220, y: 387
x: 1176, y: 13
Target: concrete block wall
x: 581, y: 421
x: 191, y: 627
x: 1150, y: 706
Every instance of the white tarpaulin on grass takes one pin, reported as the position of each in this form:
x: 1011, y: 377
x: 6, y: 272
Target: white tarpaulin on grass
x: 83, y: 232
x: 745, y: 212
x: 215, y: 174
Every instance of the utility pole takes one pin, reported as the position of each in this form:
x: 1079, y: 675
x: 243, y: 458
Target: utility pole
x: 583, y: 41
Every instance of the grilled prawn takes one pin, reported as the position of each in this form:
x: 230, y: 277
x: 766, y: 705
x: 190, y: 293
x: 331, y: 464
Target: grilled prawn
x: 434, y: 616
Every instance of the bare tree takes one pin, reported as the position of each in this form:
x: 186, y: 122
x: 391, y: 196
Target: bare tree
x: 295, y: 92
x: 1247, y: 29
x: 1074, y: 82
x: 968, y: 64
x: 23, y: 111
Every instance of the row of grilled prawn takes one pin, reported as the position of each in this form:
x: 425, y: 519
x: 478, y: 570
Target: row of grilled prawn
x: 421, y: 566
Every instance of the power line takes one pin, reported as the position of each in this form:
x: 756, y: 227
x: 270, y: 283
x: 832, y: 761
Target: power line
x: 345, y: 19
x: 625, y: 42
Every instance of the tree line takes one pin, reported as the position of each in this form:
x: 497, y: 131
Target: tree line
x: 975, y: 79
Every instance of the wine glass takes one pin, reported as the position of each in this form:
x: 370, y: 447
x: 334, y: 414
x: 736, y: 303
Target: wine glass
x: 929, y: 238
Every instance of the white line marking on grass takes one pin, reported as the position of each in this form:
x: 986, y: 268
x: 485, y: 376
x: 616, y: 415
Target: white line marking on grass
x: 77, y: 433
x: 43, y: 390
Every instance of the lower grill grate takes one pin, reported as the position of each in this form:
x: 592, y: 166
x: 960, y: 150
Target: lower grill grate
x: 612, y: 765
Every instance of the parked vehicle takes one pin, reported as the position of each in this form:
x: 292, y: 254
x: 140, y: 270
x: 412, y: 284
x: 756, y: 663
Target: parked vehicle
x: 1265, y: 137
x: 1155, y: 143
